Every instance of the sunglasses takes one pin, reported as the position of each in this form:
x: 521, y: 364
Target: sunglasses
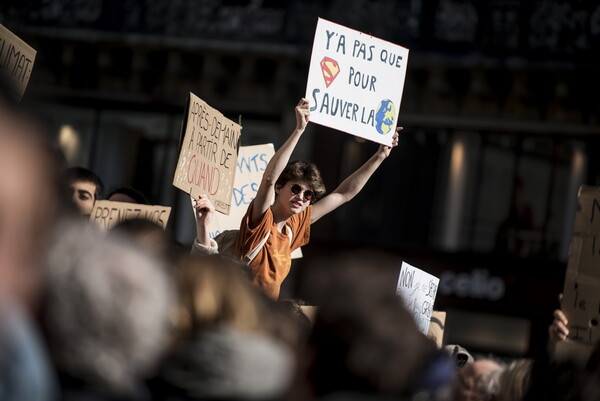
x: 308, y: 196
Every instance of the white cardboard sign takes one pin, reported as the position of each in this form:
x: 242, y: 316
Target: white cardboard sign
x: 418, y: 289
x: 251, y: 163
x: 355, y: 82
x: 16, y: 59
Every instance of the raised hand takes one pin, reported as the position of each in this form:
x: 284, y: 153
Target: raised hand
x: 302, y: 114
x: 204, y: 210
x: 385, y: 150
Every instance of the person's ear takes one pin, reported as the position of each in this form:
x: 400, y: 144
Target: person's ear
x: 277, y: 188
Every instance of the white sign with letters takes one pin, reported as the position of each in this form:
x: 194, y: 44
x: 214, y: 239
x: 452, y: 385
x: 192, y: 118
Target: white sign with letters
x: 418, y: 289
x: 355, y: 82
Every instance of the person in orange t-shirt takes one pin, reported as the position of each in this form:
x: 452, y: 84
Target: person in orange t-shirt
x: 295, y: 188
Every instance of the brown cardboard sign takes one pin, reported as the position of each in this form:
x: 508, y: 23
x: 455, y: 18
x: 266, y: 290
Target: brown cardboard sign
x: 16, y: 60
x: 107, y: 214
x: 208, y: 154
x: 581, y: 291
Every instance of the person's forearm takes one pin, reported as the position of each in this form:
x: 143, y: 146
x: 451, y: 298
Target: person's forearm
x: 202, y: 234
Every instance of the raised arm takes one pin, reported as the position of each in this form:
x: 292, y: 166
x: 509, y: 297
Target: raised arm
x: 266, y: 190
x: 354, y: 183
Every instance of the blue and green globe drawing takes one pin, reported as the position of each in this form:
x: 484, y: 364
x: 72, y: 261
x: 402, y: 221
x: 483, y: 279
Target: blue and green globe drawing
x: 384, y: 118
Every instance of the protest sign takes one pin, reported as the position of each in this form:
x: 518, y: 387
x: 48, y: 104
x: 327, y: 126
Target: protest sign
x: 355, y: 82
x: 107, y: 214
x: 417, y: 290
x: 251, y: 163
x: 581, y: 291
x: 16, y: 60
x: 208, y: 154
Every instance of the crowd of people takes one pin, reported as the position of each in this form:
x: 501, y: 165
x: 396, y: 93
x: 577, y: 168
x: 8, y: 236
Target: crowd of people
x: 130, y: 314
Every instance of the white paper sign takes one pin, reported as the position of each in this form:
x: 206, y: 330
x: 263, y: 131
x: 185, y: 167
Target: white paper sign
x: 355, y: 82
x: 250, y: 166
x: 418, y: 290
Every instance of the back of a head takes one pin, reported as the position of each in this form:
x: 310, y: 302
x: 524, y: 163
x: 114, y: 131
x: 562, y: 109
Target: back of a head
x: 129, y: 195
x: 514, y: 381
x: 214, y: 290
x: 107, y: 308
x: 364, y: 339
x: 223, y: 349
x: 151, y: 237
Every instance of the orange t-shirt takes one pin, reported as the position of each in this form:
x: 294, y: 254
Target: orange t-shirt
x: 272, y: 263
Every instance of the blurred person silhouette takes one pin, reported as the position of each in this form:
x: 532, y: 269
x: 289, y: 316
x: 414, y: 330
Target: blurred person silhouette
x: 152, y: 238
x: 223, y: 348
x: 478, y: 381
x: 365, y: 344
x: 514, y: 381
x: 29, y: 186
x: 127, y: 194
x: 85, y: 188
x: 286, y: 205
x: 106, y: 314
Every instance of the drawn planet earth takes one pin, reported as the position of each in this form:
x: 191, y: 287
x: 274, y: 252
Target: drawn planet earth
x: 384, y: 118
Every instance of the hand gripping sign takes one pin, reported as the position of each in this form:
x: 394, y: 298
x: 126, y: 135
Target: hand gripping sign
x: 355, y: 82
x: 208, y: 154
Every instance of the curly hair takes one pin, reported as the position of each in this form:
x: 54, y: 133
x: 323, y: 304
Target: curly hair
x: 299, y: 170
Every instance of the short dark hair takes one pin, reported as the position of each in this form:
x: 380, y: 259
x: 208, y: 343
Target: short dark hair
x: 133, y: 193
x: 299, y: 170
x: 83, y: 174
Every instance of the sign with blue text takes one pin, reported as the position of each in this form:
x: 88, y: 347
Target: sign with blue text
x: 208, y: 154
x: 417, y: 289
x: 251, y: 164
x: 355, y: 82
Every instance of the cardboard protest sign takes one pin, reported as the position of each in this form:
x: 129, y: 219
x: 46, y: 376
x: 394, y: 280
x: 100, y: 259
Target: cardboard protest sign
x: 417, y: 290
x: 581, y: 292
x: 107, y: 214
x: 355, y: 82
x: 16, y: 60
x: 208, y: 154
x: 251, y: 164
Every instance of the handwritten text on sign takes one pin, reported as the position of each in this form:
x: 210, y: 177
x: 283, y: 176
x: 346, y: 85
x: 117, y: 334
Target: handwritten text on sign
x: 107, y: 214
x: 208, y: 155
x: 251, y: 164
x: 581, y: 296
x: 355, y: 82
x: 418, y: 290
x: 16, y: 59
